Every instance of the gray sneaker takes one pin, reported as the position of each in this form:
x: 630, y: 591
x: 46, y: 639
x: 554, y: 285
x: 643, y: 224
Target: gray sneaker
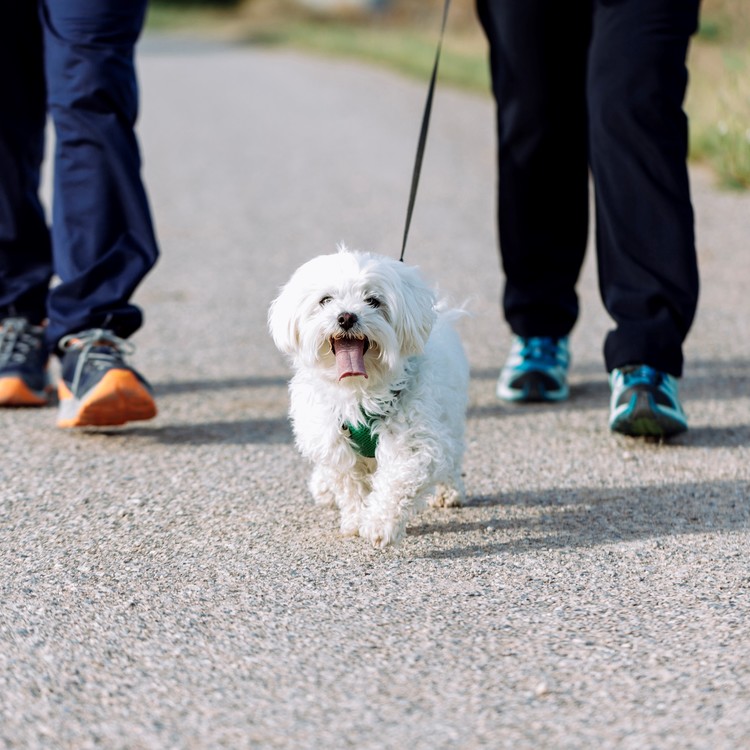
x: 23, y: 364
x: 97, y: 387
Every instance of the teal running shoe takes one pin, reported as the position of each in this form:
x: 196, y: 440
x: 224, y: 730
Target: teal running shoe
x: 536, y: 370
x: 645, y: 403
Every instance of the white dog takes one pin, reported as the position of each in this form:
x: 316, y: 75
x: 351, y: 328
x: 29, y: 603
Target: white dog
x: 379, y: 393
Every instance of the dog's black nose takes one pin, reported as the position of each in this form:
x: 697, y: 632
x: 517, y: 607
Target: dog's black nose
x: 347, y: 320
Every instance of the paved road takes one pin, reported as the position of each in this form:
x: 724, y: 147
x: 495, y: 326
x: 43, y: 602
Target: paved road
x: 170, y: 585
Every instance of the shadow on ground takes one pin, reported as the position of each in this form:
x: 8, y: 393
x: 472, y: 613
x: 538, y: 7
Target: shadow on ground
x: 192, y: 386
x: 587, y: 517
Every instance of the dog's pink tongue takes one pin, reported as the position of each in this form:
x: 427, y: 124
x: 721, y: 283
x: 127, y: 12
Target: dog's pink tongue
x: 350, y: 357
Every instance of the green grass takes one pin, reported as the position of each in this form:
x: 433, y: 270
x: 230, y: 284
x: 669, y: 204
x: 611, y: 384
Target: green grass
x: 164, y: 15
x: 727, y: 149
x: 719, y: 99
x: 407, y: 51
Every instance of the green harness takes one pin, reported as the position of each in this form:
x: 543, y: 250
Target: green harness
x: 361, y: 437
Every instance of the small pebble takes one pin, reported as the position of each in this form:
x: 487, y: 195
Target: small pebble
x: 541, y: 689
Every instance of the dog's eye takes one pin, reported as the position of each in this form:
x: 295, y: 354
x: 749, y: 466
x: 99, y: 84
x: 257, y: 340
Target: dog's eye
x: 325, y: 300
x: 373, y: 302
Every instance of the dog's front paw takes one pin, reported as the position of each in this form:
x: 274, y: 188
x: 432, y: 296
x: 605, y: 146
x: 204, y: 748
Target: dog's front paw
x: 447, y: 497
x: 382, y: 532
x: 349, y: 525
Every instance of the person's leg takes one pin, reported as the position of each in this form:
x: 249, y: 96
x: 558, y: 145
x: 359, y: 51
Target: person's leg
x: 638, y: 134
x: 25, y: 255
x: 25, y: 258
x: 102, y: 234
x: 538, y: 51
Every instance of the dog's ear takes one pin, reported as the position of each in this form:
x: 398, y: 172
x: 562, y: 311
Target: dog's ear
x: 417, y: 314
x: 283, y: 321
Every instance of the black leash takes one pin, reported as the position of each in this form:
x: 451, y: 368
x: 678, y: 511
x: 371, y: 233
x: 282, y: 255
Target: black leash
x: 423, y: 131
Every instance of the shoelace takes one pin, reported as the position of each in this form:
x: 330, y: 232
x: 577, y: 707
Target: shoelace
x: 17, y: 341
x: 642, y: 374
x: 541, y: 349
x: 111, y: 352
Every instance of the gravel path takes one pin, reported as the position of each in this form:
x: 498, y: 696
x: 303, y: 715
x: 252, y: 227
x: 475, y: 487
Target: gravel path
x: 170, y: 584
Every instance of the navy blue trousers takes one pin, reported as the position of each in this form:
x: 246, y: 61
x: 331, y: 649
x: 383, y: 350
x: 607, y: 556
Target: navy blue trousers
x: 72, y: 59
x: 599, y: 85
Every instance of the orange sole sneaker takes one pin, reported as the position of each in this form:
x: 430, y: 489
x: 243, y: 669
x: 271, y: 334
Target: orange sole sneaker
x: 119, y: 397
x: 15, y: 392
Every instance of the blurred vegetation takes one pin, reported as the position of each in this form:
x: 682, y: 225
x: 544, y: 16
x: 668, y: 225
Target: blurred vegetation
x: 719, y: 94
x: 403, y: 34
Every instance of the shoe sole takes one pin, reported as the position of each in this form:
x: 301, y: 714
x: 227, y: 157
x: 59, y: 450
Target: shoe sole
x: 532, y: 390
x: 15, y: 392
x: 119, y: 397
x: 640, y: 419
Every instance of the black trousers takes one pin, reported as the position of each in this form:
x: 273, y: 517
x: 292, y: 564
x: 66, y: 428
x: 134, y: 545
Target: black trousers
x: 599, y: 85
x: 73, y: 60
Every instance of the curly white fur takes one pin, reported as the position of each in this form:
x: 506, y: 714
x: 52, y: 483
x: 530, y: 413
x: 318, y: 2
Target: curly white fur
x: 414, y: 388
